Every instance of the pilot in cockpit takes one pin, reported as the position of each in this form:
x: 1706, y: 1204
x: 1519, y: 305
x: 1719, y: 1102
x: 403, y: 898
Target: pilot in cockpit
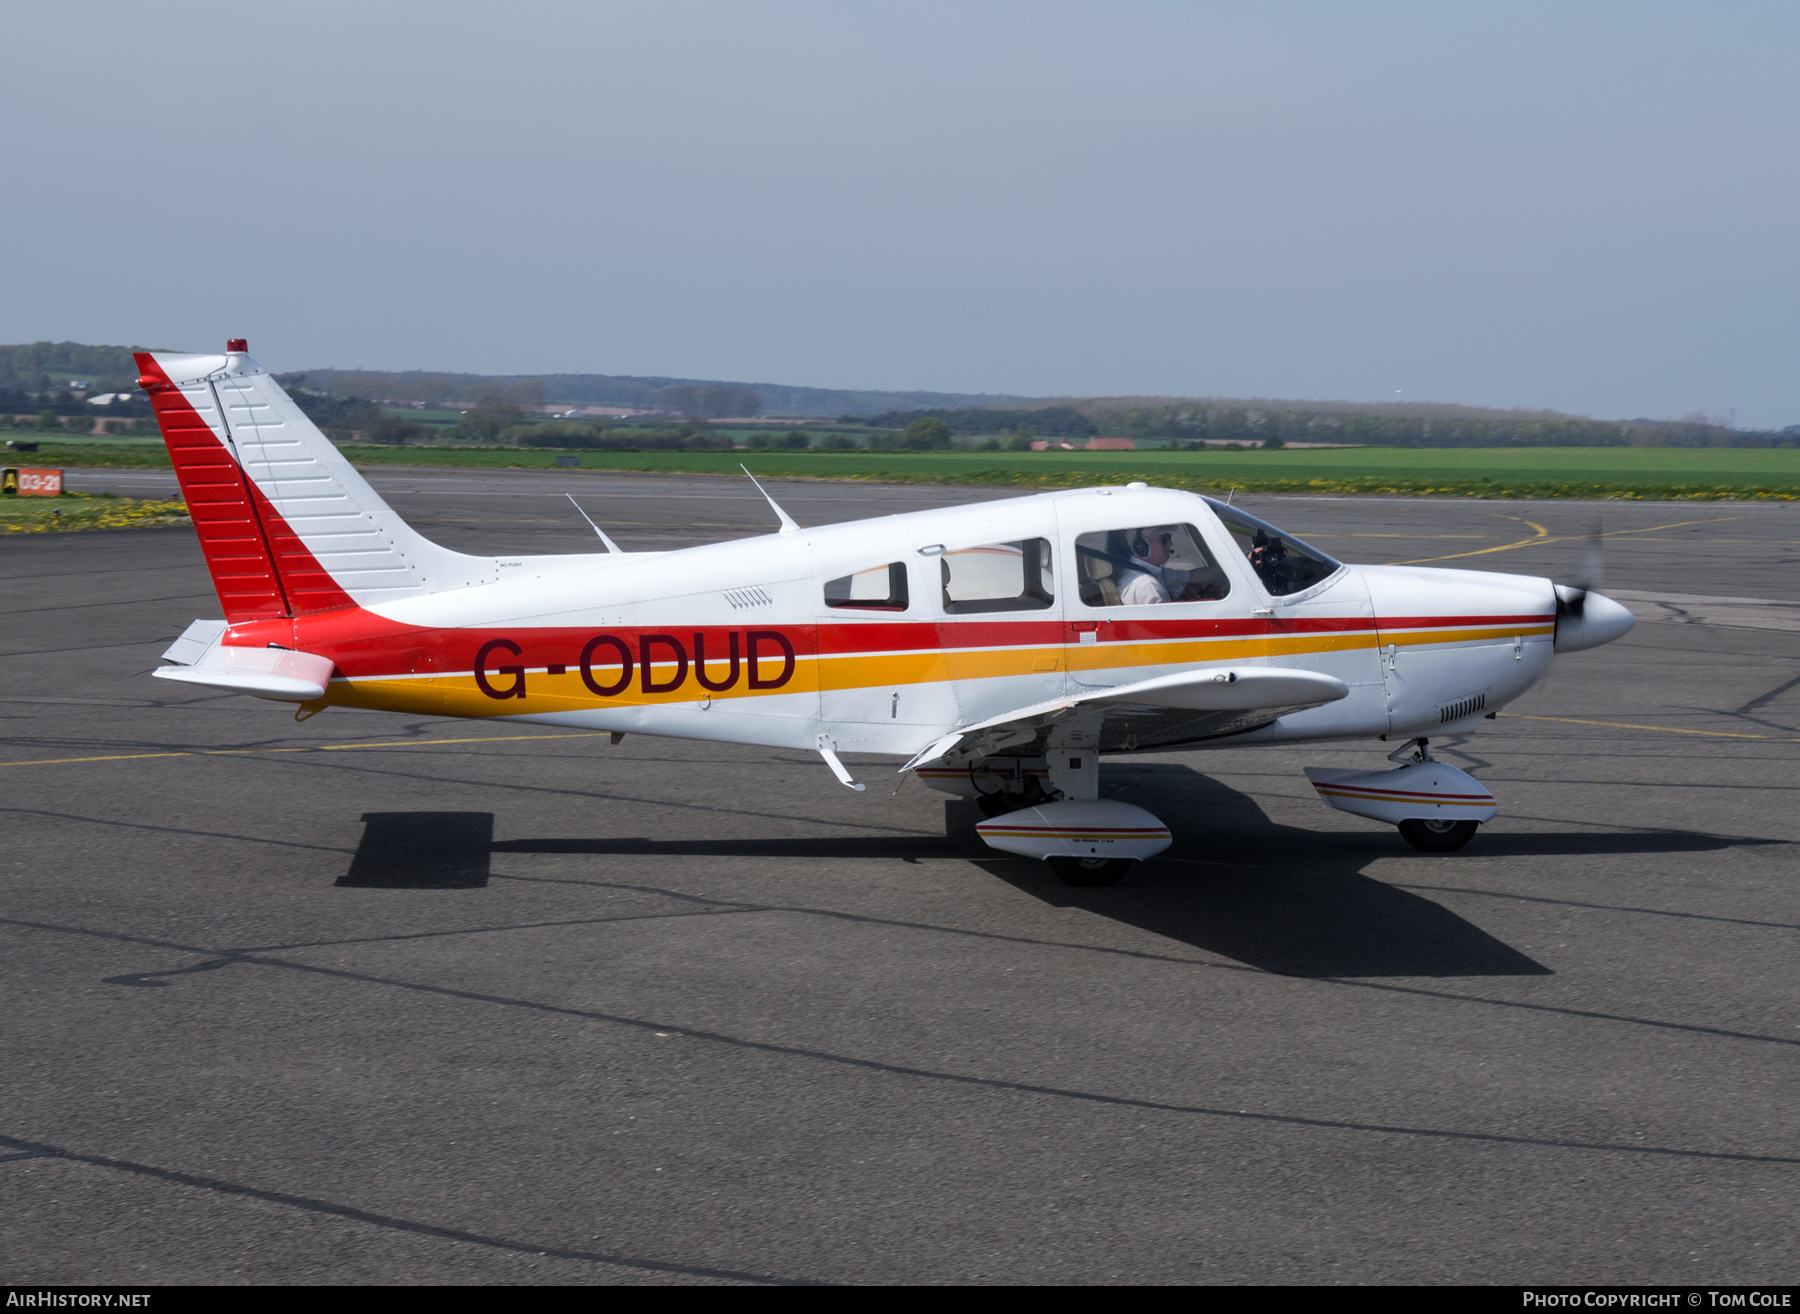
x: 1147, y: 579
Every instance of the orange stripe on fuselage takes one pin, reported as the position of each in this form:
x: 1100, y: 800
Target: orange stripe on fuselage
x: 393, y: 666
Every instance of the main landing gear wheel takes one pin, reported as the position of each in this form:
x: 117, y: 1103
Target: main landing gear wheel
x: 1090, y: 871
x: 1438, y: 836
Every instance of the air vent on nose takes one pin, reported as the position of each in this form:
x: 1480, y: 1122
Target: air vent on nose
x: 1448, y: 712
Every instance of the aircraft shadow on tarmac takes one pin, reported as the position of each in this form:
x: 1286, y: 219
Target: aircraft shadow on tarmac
x: 1283, y: 899
x: 422, y: 851
x: 453, y: 850
x: 1296, y: 902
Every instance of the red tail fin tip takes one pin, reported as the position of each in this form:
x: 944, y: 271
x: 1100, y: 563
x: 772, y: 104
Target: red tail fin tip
x: 287, y: 525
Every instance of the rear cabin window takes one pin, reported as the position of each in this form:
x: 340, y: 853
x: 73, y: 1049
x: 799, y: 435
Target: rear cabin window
x: 879, y: 588
x: 998, y: 577
x: 1282, y: 562
x: 1146, y: 565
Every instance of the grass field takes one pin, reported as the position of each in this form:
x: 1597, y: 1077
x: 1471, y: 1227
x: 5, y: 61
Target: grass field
x: 72, y: 511
x: 1646, y: 473
x: 440, y: 418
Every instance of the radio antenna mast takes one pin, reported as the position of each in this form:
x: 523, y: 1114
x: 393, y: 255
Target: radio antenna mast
x: 787, y: 522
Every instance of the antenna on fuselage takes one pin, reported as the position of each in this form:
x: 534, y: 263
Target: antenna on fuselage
x: 787, y: 522
x: 610, y: 545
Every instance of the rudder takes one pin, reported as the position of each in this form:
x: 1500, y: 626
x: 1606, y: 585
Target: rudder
x: 287, y: 525
x: 232, y: 537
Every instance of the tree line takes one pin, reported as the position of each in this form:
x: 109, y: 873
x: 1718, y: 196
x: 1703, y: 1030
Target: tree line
x: 1046, y: 422
x: 33, y: 378
x: 1431, y: 426
x: 712, y: 401
x: 502, y: 422
x: 643, y: 392
x: 1277, y: 427
x: 40, y: 367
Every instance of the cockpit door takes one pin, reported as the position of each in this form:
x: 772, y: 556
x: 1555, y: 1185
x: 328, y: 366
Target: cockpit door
x: 1137, y: 610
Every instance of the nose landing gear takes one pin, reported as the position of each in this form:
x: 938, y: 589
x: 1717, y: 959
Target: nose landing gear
x: 1090, y: 871
x: 1437, y: 836
x: 1436, y: 807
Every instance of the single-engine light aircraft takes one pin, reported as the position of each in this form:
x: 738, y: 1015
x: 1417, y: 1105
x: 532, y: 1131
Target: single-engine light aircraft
x: 1001, y: 649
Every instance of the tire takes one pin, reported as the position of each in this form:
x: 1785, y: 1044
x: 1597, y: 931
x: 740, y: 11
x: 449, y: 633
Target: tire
x: 1090, y: 871
x: 993, y: 805
x: 1438, y: 836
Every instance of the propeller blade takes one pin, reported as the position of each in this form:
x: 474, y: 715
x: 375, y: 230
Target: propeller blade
x: 1592, y: 572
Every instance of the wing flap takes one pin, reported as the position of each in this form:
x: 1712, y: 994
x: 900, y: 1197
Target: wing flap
x: 1229, y: 690
x: 1237, y: 689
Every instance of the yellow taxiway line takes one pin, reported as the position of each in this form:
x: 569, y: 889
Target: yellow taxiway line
x: 1542, y: 537
x: 1665, y: 729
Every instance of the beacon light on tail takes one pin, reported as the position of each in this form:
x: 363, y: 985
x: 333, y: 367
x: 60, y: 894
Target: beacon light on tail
x: 999, y: 650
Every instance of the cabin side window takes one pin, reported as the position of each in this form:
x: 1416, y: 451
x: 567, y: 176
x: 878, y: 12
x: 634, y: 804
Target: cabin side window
x: 1145, y: 565
x: 879, y: 588
x: 1016, y: 576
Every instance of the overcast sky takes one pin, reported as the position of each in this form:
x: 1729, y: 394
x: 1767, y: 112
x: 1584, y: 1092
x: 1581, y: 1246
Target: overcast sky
x: 1591, y: 207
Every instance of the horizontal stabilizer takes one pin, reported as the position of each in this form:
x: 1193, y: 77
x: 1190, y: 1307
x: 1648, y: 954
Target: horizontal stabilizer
x: 295, y: 677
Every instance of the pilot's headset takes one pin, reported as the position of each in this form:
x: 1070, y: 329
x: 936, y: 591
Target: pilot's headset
x: 1140, y: 540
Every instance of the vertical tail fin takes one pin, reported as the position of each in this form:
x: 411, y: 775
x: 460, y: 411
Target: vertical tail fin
x: 287, y: 525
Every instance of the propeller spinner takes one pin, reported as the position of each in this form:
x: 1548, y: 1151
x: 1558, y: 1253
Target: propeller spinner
x: 1584, y: 617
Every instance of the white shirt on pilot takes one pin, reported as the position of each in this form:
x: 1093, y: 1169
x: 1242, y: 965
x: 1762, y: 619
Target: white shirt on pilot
x: 1145, y: 584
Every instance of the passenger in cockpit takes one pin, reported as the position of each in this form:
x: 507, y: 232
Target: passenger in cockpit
x: 1147, y: 579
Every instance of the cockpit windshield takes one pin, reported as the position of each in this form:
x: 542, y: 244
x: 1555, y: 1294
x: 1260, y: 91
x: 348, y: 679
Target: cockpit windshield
x: 1282, y: 562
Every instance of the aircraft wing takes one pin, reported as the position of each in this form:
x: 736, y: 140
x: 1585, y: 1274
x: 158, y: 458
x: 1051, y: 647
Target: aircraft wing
x: 1244, y: 689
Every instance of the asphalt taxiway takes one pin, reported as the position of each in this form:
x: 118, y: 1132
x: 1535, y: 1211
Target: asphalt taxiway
x: 382, y: 999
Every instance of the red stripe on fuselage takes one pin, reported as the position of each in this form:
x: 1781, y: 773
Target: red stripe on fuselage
x: 1461, y: 622
x: 948, y: 634
x: 907, y: 636
x: 366, y: 644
